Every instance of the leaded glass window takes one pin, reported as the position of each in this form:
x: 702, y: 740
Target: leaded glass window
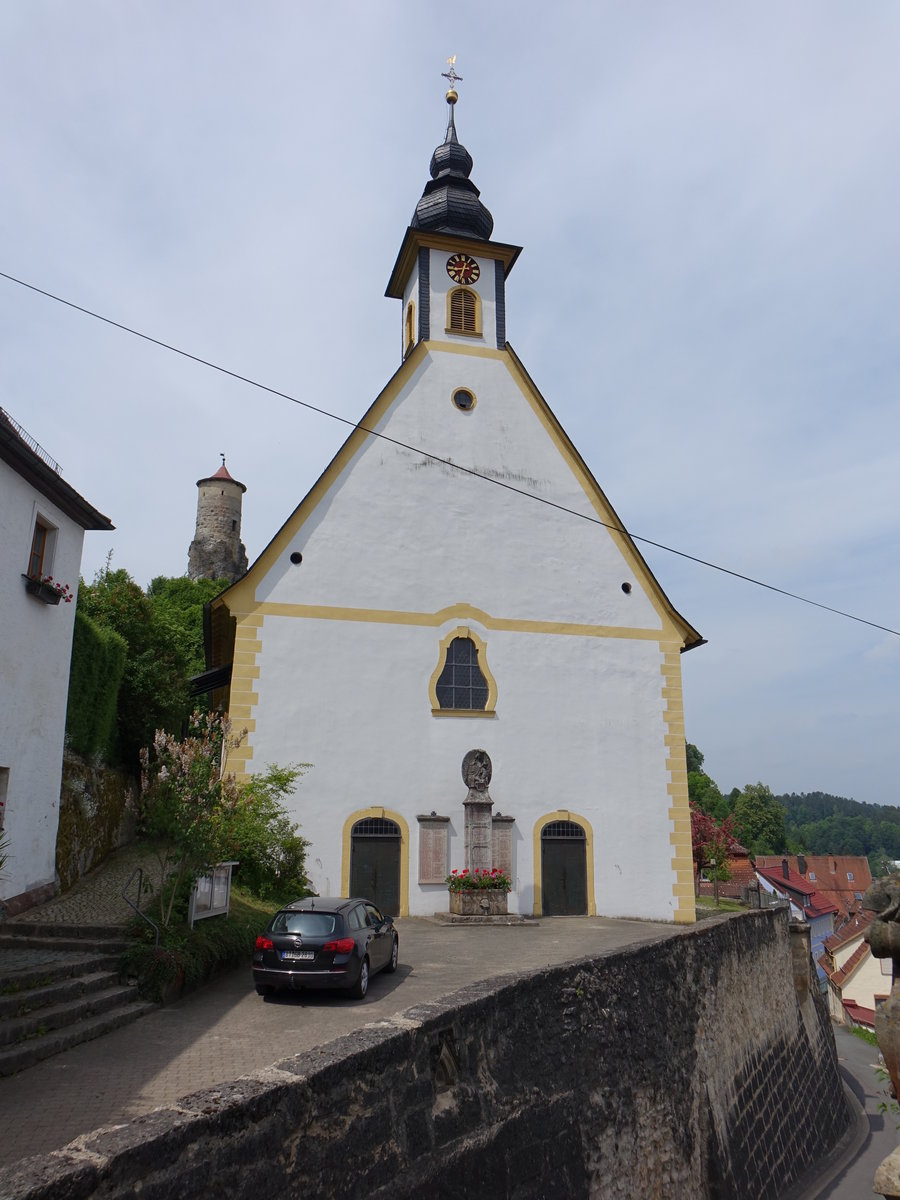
x: 461, y: 684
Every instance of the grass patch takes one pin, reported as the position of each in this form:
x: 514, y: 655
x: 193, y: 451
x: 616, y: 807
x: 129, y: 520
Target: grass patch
x: 865, y: 1035
x: 189, y: 957
x: 706, y: 906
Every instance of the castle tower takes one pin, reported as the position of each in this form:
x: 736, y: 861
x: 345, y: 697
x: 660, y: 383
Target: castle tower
x: 217, y: 551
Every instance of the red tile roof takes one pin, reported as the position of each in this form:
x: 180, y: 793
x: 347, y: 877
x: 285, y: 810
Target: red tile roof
x: 857, y: 924
x: 828, y: 873
x: 856, y: 1012
x: 813, y: 903
x: 842, y: 974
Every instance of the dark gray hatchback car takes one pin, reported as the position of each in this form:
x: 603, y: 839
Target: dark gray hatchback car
x: 325, y: 942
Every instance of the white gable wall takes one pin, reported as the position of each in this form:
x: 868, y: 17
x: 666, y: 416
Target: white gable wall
x: 334, y: 656
x: 35, y: 652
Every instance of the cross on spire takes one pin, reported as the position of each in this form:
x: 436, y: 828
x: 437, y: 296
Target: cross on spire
x: 451, y: 74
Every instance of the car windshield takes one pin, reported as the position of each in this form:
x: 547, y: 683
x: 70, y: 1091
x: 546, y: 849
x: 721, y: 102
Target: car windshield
x: 309, y: 924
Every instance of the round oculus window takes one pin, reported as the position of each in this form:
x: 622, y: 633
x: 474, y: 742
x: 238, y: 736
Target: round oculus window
x: 464, y: 399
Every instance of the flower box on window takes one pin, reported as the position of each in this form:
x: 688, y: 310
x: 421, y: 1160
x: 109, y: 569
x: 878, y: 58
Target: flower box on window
x: 47, y: 590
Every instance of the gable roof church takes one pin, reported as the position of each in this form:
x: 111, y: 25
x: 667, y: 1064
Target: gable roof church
x: 411, y: 612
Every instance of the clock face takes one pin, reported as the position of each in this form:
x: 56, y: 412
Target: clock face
x: 462, y: 268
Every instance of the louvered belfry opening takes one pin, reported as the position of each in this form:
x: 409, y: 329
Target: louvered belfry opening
x: 463, y: 311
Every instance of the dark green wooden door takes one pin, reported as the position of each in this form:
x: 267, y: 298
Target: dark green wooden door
x: 563, y: 870
x: 375, y: 863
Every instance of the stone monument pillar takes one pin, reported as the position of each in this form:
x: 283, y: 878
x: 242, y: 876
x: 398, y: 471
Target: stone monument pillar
x: 883, y: 936
x: 476, y: 773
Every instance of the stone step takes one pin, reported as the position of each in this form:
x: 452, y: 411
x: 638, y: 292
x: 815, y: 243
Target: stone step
x: 14, y: 979
x: 59, y: 929
x: 57, y: 1016
x: 40, y: 995
x: 36, y: 1049
x: 18, y: 941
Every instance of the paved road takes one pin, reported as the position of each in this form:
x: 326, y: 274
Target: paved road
x: 858, y: 1059
x: 225, y: 1030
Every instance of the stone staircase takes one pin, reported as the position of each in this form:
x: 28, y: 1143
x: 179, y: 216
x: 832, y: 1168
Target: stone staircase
x: 59, y: 986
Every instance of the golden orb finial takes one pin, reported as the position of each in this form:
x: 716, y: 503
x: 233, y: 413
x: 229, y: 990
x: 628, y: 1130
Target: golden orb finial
x: 453, y: 78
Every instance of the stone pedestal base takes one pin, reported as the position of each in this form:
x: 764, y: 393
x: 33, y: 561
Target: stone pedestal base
x: 887, y: 1177
x: 483, y: 902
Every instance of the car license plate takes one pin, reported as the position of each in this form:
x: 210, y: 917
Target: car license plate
x: 297, y: 955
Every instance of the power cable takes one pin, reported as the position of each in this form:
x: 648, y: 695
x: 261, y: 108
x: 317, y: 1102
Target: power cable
x: 324, y: 412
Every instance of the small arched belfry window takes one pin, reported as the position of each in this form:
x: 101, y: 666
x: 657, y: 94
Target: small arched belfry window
x: 409, y: 338
x: 462, y: 682
x: 463, y: 311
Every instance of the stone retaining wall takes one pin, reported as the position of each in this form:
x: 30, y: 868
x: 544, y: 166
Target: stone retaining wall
x: 690, y: 1068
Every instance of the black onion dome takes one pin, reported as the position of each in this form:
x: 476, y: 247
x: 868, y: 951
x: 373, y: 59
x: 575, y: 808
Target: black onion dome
x: 450, y: 201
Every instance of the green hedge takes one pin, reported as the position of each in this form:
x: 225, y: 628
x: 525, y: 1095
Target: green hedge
x: 98, y: 661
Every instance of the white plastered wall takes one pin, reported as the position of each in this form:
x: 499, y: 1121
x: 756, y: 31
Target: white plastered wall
x: 350, y: 638
x: 35, y: 653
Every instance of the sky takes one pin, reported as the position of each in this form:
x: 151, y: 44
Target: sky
x: 708, y: 296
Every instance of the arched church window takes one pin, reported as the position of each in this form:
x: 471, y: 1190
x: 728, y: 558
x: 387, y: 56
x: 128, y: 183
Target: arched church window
x: 461, y: 683
x: 409, y: 337
x: 463, y: 311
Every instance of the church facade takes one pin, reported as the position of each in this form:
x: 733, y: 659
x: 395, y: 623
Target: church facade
x: 430, y: 597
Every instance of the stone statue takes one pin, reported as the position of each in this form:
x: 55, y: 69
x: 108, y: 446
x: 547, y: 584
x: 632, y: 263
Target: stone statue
x: 476, y: 770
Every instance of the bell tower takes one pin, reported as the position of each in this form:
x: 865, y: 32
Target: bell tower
x: 217, y: 551
x: 449, y: 274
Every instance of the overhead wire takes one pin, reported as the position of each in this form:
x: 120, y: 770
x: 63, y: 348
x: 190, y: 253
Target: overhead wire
x: 324, y: 412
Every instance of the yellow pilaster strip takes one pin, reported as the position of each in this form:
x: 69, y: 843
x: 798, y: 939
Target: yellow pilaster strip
x: 243, y: 696
x: 679, y: 812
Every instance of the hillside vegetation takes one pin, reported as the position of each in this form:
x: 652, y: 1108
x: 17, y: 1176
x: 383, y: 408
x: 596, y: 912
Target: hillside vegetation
x: 808, y: 823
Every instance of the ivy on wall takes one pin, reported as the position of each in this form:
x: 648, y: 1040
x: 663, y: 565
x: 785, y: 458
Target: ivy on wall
x: 98, y: 663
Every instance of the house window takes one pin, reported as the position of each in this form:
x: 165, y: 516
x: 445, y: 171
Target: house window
x: 40, y: 544
x: 461, y: 683
x: 463, y: 311
x: 812, y: 877
x: 409, y: 329
x: 849, y: 876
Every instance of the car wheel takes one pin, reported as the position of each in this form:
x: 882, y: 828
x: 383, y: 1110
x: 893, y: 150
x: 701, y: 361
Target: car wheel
x: 395, y: 954
x: 359, y: 989
x: 265, y: 989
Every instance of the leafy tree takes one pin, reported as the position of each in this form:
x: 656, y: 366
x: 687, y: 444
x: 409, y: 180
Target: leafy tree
x: 694, y: 758
x: 759, y: 820
x: 198, y: 816
x: 703, y: 792
x: 179, y: 601
x: 712, y: 842
x: 163, y: 633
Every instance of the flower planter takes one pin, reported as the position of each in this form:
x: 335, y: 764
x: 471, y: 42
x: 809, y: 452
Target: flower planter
x: 44, y: 592
x: 479, y: 902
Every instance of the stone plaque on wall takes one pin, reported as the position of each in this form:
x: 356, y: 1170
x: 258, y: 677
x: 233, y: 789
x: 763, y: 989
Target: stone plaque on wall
x: 502, y: 843
x: 434, y: 848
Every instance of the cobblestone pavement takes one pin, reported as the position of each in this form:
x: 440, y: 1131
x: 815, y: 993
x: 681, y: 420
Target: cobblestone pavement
x: 225, y: 1030
x: 97, y: 898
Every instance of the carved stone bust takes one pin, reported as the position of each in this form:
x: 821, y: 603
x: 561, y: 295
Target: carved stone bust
x: 476, y: 770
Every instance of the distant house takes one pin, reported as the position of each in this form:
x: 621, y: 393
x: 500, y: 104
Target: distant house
x: 42, y: 524
x: 806, y: 905
x: 841, y: 878
x: 742, y: 875
x: 857, y: 981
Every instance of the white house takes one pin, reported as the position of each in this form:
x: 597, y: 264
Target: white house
x: 42, y: 524
x: 431, y: 596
